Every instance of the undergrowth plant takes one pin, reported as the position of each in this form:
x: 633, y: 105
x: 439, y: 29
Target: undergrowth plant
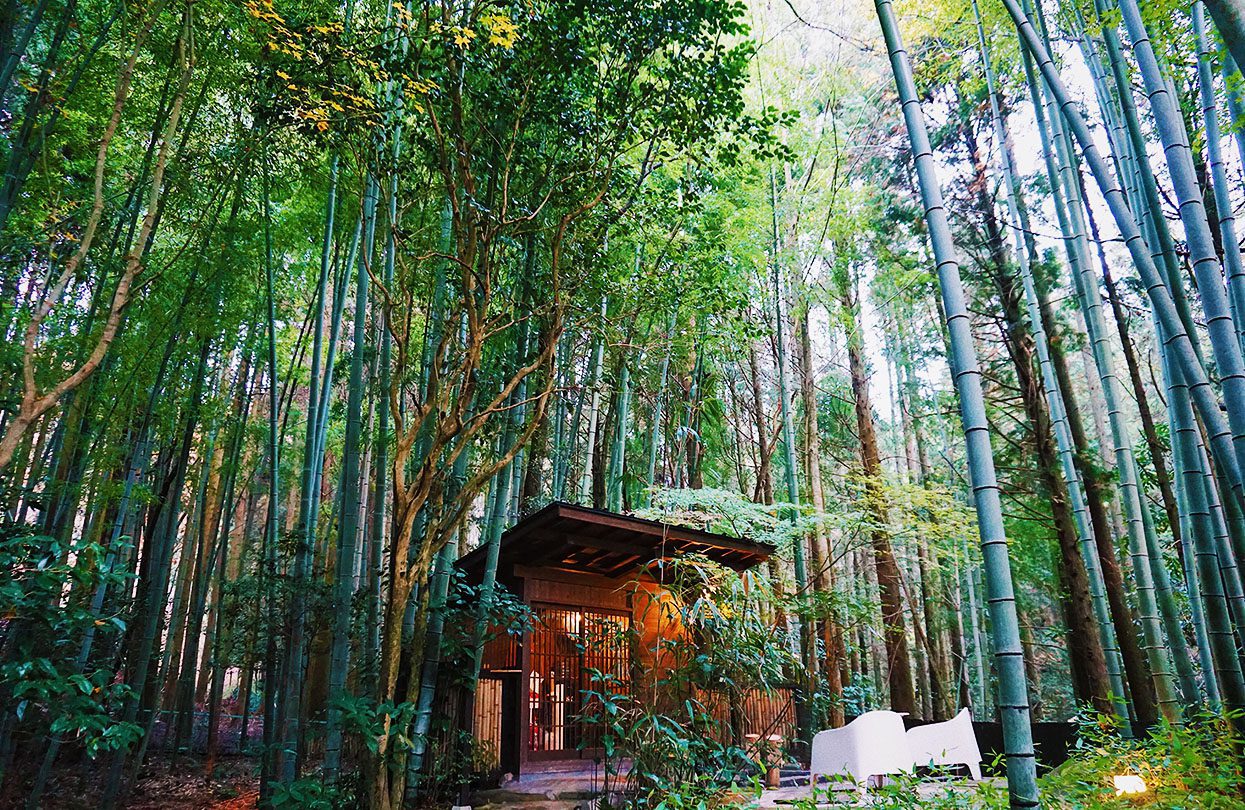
x: 678, y: 721
x: 50, y: 687
x: 1194, y: 765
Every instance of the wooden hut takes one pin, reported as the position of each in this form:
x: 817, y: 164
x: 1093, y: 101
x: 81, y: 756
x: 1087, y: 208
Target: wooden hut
x: 588, y: 577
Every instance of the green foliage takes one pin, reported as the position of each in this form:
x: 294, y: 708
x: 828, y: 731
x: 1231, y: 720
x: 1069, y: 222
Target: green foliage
x: 311, y: 793
x: 373, y: 720
x: 464, y: 760
x: 42, y: 680
x: 503, y: 614
x: 1188, y: 766
x: 674, y: 726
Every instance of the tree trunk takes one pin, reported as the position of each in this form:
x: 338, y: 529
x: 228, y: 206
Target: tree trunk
x: 1009, y: 654
x: 890, y: 578
x: 821, y: 559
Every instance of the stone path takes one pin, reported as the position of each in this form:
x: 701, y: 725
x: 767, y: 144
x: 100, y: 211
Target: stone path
x: 845, y: 797
x: 578, y: 789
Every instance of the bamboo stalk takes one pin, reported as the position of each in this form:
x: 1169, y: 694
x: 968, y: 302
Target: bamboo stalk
x: 1013, y: 696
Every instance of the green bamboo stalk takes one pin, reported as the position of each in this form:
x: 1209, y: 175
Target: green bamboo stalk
x: 1219, y: 177
x: 1149, y: 203
x: 153, y: 591
x: 1116, y: 109
x: 342, y: 286
x: 1226, y: 678
x: 432, y: 658
x: 1236, y: 105
x: 351, y: 488
x: 593, y: 382
x: 1193, y: 589
x: 1229, y: 17
x: 558, y: 456
x: 1013, y: 698
x: 1169, y: 612
x: 1229, y: 572
x: 1179, y: 342
x: 284, y: 727
x: 1148, y: 614
x: 1072, y: 231
x: 614, y: 500
x: 305, y: 533
x: 1054, y: 398
x: 655, y: 431
x: 804, y: 639
x: 1086, y: 287
x: 1220, y: 326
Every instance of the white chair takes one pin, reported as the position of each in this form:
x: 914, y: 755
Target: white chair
x: 948, y: 743
x: 873, y: 744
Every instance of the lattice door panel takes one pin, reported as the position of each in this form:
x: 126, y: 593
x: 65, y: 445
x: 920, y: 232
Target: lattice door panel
x: 571, y: 649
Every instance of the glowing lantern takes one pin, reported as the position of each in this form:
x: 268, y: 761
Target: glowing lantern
x: 1128, y: 784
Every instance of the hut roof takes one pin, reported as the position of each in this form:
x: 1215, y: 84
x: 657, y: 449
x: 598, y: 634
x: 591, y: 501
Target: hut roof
x: 576, y: 538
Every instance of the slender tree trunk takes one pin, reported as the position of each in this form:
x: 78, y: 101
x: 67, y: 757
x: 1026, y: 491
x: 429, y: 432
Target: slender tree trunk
x: 352, y: 488
x: 594, y: 409
x: 822, y: 562
x: 615, y: 483
x: 805, y: 639
x: 659, y: 401
x: 890, y: 578
x: 765, y: 480
x: 1009, y: 655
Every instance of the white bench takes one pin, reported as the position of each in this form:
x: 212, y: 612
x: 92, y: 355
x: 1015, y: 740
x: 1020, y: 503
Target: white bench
x: 875, y: 745
x: 949, y: 743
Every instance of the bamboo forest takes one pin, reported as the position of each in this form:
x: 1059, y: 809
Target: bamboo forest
x: 584, y: 404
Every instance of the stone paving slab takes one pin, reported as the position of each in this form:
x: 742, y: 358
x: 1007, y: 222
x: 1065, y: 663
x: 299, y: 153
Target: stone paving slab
x: 576, y: 791
x: 789, y: 794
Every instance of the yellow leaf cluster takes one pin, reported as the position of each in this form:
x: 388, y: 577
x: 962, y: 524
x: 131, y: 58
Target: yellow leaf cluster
x: 404, y: 13
x: 502, y: 31
x: 421, y: 87
x: 263, y: 10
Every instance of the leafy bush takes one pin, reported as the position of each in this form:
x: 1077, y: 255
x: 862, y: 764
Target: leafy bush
x: 48, y: 625
x: 467, y: 607
x: 678, y: 724
x: 311, y: 793
x: 1194, y: 765
x: 1185, y: 767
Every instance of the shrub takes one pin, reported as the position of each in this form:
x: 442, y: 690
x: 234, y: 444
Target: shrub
x: 48, y: 681
x: 1194, y: 765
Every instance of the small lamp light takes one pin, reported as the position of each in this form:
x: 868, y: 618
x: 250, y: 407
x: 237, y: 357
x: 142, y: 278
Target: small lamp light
x: 1128, y: 784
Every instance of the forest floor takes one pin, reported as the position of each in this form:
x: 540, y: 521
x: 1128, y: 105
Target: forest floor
x: 164, y: 784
